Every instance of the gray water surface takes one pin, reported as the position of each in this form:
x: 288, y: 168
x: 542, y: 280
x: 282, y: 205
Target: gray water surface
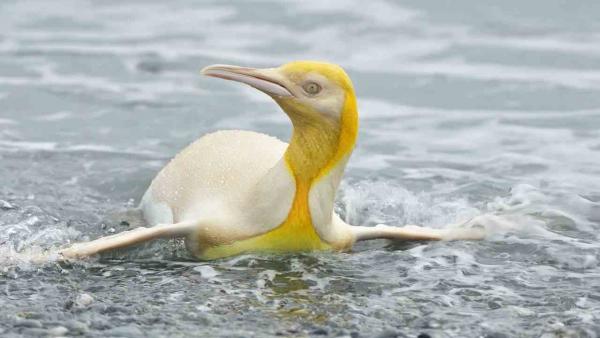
x: 467, y: 108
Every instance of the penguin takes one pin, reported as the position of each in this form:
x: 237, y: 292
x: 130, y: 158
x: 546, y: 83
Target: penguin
x: 233, y: 192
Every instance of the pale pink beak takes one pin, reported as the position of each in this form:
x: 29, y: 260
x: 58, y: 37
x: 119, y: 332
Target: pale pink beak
x: 267, y: 80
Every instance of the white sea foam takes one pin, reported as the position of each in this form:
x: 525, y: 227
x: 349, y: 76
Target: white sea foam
x: 28, y: 146
x: 58, y: 116
x: 7, y: 121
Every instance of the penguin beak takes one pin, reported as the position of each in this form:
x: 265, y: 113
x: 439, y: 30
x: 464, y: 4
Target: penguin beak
x: 267, y: 80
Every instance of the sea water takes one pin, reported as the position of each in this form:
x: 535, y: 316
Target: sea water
x: 468, y: 109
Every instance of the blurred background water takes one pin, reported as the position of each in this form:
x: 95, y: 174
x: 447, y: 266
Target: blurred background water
x: 467, y: 108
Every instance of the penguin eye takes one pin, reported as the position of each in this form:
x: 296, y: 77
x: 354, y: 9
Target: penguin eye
x: 312, y: 88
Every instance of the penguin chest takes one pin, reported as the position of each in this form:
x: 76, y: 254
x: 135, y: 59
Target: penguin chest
x: 295, y: 234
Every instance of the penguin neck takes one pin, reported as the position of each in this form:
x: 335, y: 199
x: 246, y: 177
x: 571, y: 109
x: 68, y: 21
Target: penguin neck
x: 318, y: 150
x: 319, y: 142
x: 312, y: 148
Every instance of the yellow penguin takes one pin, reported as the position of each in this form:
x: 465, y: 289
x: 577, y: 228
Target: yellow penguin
x: 234, y: 192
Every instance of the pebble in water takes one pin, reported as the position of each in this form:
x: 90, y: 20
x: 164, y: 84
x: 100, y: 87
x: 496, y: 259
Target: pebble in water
x: 390, y: 334
x: 58, y: 331
x: 206, y: 271
x: 319, y: 332
x: 84, y: 300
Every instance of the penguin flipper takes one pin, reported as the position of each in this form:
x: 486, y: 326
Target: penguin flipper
x: 127, y: 238
x: 415, y: 233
